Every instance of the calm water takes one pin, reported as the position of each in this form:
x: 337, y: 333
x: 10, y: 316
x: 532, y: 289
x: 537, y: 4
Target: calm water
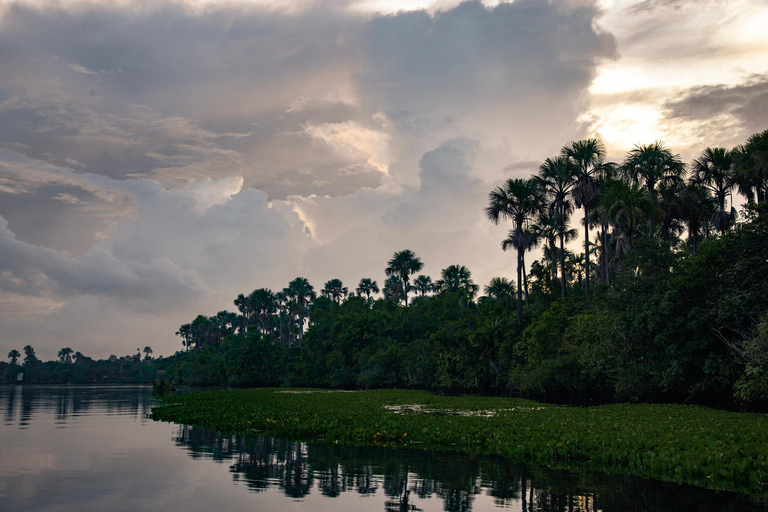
x: 69, y: 448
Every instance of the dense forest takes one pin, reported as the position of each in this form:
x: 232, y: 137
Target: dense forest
x: 667, y: 302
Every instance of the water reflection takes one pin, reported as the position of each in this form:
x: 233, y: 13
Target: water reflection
x: 409, y: 478
x: 92, y: 448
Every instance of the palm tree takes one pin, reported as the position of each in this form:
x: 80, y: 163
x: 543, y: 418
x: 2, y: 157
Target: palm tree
x: 30, y: 359
x: 714, y: 170
x: 366, y: 287
x: 65, y: 355
x: 525, y: 240
x: 517, y: 200
x: 696, y: 206
x: 501, y: 290
x: 147, y: 353
x: 751, y: 167
x: 403, y: 264
x: 185, y: 333
x: 651, y: 164
x: 627, y: 205
x: 457, y: 278
x: 556, y: 176
x: 303, y: 293
x: 393, y: 288
x: 423, y: 285
x: 335, y: 290
x: 589, y: 156
x: 244, y: 306
x: 262, y: 304
x: 14, y: 356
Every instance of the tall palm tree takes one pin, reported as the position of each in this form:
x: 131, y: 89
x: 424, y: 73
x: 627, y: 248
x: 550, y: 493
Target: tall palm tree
x: 457, y: 278
x: 302, y: 293
x: 185, y: 333
x: 366, y: 287
x: 557, y: 177
x: 545, y: 228
x: 589, y: 157
x: 335, y: 290
x: 517, y: 200
x: 751, y: 167
x: 403, y: 264
x: 714, y: 170
x: 423, y: 285
x: 501, y: 290
x: 650, y: 165
x: 147, y: 353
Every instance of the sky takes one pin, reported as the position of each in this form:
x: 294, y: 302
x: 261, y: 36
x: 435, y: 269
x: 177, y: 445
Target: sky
x: 157, y: 158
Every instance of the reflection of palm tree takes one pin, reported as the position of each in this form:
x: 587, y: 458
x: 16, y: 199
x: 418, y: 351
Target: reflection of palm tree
x: 518, y: 200
x: 403, y: 264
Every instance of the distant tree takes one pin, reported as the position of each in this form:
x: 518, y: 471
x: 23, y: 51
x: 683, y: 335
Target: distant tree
x: 243, y: 305
x: 335, y: 290
x: 185, y: 332
x: 147, y: 353
x: 366, y: 287
x: 65, y: 355
x: 627, y: 205
x: 30, y: 359
x: 423, y: 285
x: 457, y: 278
x: 403, y: 264
x: 302, y: 293
x: 262, y: 305
x: 501, y: 290
x: 393, y: 288
x: 14, y: 355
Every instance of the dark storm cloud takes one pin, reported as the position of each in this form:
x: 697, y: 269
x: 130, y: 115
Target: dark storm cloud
x: 742, y: 108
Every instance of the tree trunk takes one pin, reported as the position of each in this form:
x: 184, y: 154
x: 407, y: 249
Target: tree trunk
x: 519, y: 288
x: 605, y: 257
x: 562, y: 260
x: 525, y: 280
x: 586, y: 246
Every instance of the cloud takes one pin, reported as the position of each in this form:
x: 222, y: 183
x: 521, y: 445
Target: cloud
x: 157, y: 159
x: 723, y: 113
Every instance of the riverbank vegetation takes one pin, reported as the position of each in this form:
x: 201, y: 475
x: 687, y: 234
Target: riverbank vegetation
x: 667, y: 302
x: 686, y: 444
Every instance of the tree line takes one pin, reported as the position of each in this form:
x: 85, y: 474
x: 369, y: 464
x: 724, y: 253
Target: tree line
x: 666, y: 302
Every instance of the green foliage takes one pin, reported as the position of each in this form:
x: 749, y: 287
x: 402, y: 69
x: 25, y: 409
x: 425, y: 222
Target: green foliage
x: 687, y: 444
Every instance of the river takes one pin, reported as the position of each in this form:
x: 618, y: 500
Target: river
x: 92, y: 448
